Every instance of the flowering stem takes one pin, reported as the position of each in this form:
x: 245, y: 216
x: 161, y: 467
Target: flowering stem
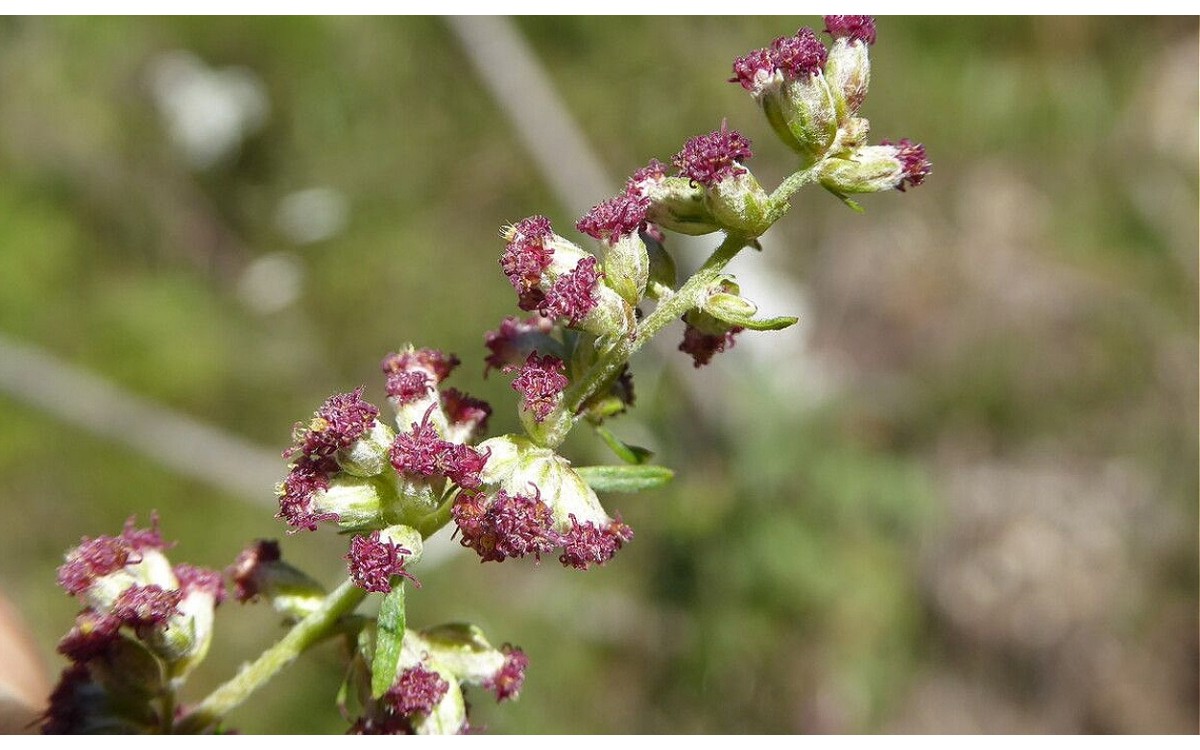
x: 610, y: 362
x: 301, y: 637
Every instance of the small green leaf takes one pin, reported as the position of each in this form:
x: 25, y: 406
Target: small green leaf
x: 625, y: 478
x: 630, y: 454
x: 388, y: 638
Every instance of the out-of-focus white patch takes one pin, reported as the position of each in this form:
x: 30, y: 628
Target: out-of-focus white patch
x: 312, y: 215
x: 208, y: 112
x: 271, y: 283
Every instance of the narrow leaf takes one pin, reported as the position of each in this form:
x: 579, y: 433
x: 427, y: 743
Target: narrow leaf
x: 625, y: 478
x: 630, y: 454
x: 389, y: 636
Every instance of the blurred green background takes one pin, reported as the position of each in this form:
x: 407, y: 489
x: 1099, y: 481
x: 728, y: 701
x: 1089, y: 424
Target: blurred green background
x: 962, y: 496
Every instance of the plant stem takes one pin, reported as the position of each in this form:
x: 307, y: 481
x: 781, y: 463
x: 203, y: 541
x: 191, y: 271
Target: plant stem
x: 303, y: 635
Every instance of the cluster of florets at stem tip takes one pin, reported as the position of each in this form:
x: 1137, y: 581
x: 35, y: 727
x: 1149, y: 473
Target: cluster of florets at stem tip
x: 131, y: 594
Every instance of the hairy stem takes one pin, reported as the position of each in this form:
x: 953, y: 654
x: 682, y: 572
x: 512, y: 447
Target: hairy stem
x: 302, y: 636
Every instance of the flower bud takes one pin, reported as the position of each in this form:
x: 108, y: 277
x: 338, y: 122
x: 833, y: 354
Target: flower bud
x: 586, y: 532
x: 705, y: 335
x: 788, y: 81
x: 259, y: 571
x: 184, y: 639
x: 848, y: 68
x: 676, y: 203
x: 463, y: 649
x: 732, y: 197
x: 100, y: 570
x: 367, y: 456
x: 557, y: 278
x: 872, y: 169
x: 413, y: 376
x: 352, y: 502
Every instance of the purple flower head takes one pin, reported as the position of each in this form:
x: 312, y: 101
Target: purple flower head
x: 416, y: 690
x: 142, y: 540
x: 144, y: 607
x: 92, y: 559
x: 912, y: 159
x: 541, y: 383
x: 247, y: 568
x: 462, y: 464
x: 854, y: 28
x: 702, y: 346
x: 709, y: 159
x: 639, y: 182
x: 418, y: 452
x: 573, y: 295
x: 502, y: 526
x: 296, y: 492
x: 385, y: 722
x: 510, y: 343
x: 408, y: 386
x: 465, y: 411
x: 340, y: 421
x: 434, y: 362
x: 753, y: 69
x: 587, y: 544
x: 799, y: 56
x: 507, y: 682
x: 615, y: 218
x: 373, y: 562
x: 193, y: 578
x: 93, y: 634
x: 527, y: 255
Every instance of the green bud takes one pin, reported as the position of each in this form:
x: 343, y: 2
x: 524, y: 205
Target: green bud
x: 358, y: 501
x: 804, y: 114
x: 627, y: 268
x: 848, y: 71
x: 368, y: 455
x: 677, y: 204
x: 740, y: 204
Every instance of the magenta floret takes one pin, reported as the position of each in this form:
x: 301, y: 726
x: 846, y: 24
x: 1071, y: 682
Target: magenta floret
x: 143, y: 607
x: 752, y: 68
x: 92, y: 635
x: 513, y: 340
x: 507, y: 682
x: 144, y: 539
x: 800, y: 55
x: 419, y: 451
x: 92, y: 559
x: 541, y: 383
x: 194, y: 578
x: 408, y: 386
x: 373, y: 562
x: 526, y: 256
x: 502, y: 526
x: 246, y: 570
x: 617, y: 217
x: 854, y: 28
x: 655, y: 171
x: 912, y: 158
x: 573, y: 295
x: 296, y: 492
x: 588, y: 544
x: 708, y: 159
x: 462, y: 464
x: 465, y: 411
x: 702, y: 346
x: 416, y: 690
x: 434, y: 362
x: 340, y: 421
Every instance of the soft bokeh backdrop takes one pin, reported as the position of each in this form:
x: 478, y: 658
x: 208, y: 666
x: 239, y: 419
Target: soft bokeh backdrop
x: 960, y: 496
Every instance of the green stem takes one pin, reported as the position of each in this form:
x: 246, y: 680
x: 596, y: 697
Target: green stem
x: 608, y: 366
x: 307, y: 632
